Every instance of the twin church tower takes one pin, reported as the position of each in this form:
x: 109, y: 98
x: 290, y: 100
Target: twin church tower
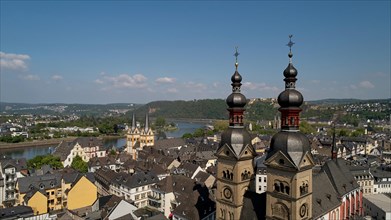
x: 289, y: 161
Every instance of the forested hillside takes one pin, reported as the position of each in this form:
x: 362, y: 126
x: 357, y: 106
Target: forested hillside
x: 195, y: 109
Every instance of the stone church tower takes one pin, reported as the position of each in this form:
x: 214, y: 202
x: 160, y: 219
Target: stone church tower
x: 136, y: 139
x: 289, y: 161
x: 235, y: 168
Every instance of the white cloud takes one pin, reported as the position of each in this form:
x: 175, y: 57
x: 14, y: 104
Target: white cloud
x: 366, y: 85
x: 362, y: 85
x: 198, y: 87
x: 165, y: 80
x: 56, y: 77
x: 123, y: 81
x: 260, y: 87
x: 172, y: 90
x: 315, y: 81
x: 13, y: 61
x: 99, y: 81
x: 30, y: 77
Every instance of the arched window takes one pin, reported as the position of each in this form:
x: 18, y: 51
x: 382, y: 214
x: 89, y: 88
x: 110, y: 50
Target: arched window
x: 282, y: 187
x: 287, y: 189
x: 277, y: 187
x: 224, y: 174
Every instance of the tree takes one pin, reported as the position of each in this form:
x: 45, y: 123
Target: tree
x: 38, y: 161
x: 220, y: 125
x: 113, y: 152
x: 79, y: 164
x: 160, y: 122
x: 199, y: 132
x: 306, y: 128
x: 115, y: 127
x: 187, y: 135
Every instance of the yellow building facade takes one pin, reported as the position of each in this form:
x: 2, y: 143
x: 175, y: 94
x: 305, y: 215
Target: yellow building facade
x: 82, y: 194
x: 38, y: 202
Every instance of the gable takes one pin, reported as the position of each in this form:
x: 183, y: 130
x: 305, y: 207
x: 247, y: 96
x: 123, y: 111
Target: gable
x: 247, y: 152
x: 123, y: 208
x: 279, y: 160
x: 306, y: 161
x: 225, y: 152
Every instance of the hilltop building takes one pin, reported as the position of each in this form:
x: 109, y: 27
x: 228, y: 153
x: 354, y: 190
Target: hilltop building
x: 137, y: 139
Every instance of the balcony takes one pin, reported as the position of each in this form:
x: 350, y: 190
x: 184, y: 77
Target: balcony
x: 10, y: 189
x: 10, y: 198
x: 154, y: 198
x: 173, y: 201
x: 10, y: 180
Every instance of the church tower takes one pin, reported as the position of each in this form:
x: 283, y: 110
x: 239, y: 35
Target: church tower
x: 147, y: 137
x: 289, y: 161
x: 235, y: 156
x: 132, y: 137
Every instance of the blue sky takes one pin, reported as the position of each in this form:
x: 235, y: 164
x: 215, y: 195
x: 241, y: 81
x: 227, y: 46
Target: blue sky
x: 142, y: 51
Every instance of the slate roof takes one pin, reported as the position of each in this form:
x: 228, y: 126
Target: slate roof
x: 64, y: 148
x: 340, y: 176
x: 195, y: 205
x: 107, y: 203
x: 44, y: 182
x: 148, y: 213
x: 16, y: 212
x: 130, y: 180
x: 324, y: 195
x: 31, y: 193
x: 253, y: 206
x: 178, y: 184
x: 202, y: 176
x: 101, y: 161
x: 19, y: 164
x: 169, y: 143
x: 380, y: 200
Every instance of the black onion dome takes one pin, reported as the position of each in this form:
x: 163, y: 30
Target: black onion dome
x: 290, y: 71
x: 295, y: 144
x: 236, y: 77
x: 237, y: 100
x: 290, y: 98
x: 235, y: 138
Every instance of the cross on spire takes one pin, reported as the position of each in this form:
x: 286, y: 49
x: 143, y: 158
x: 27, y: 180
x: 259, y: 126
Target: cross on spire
x: 236, y: 54
x: 290, y: 43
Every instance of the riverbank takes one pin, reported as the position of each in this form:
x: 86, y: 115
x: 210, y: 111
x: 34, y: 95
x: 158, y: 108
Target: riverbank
x: 35, y: 143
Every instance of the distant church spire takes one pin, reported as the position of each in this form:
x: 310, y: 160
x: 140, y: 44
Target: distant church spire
x: 133, y: 122
x: 334, y: 147
x: 146, y: 122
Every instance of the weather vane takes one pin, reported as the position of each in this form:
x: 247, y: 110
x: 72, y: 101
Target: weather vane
x: 290, y: 43
x: 236, y: 53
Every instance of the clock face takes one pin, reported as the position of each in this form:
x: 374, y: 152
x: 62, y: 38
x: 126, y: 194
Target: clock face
x: 303, y: 210
x: 227, y: 193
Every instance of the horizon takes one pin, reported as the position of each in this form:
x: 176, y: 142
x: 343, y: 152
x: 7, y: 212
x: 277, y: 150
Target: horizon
x: 101, y: 52
x: 115, y: 103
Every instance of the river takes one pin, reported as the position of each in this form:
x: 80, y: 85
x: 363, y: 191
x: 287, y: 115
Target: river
x: 30, y: 152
